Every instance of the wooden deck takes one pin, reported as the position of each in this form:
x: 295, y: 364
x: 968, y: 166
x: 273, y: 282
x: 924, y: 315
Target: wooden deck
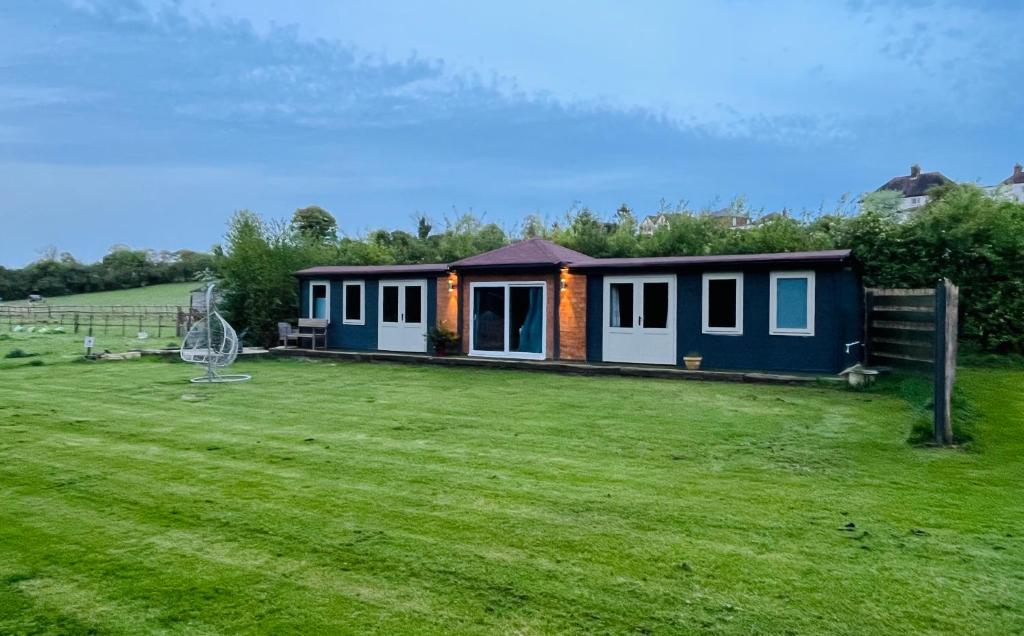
x: 557, y: 366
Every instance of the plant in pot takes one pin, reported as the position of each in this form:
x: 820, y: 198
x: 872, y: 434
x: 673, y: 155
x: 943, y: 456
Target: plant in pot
x: 692, y: 360
x: 442, y: 340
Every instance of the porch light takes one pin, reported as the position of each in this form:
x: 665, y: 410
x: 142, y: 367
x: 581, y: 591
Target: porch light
x: 565, y: 279
x: 451, y: 284
x: 565, y: 284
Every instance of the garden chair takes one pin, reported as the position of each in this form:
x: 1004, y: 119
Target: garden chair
x: 286, y: 334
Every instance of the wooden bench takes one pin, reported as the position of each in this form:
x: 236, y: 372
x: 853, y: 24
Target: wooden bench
x: 311, y: 329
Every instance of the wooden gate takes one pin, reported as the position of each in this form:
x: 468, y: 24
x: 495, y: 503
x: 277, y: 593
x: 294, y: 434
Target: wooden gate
x: 917, y: 327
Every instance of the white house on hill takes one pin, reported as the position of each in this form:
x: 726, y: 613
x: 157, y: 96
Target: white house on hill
x: 914, y: 187
x: 1012, y: 187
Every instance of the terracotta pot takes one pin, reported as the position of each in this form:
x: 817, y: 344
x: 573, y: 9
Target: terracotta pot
x: 692, y: 362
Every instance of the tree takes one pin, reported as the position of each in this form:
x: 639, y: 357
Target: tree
x: 315, y: 223
x: 423, y: 227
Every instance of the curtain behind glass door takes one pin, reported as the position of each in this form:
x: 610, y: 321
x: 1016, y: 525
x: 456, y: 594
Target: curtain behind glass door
x: 526, y: 319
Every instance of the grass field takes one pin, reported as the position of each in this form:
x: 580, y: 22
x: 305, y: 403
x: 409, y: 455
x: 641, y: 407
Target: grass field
x: 355, y: 498
x: 168, y: 294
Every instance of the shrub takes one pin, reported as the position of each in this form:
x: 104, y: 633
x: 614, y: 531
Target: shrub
x: 19, y: 353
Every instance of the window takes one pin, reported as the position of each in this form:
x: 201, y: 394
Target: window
x: 621, y: 313
x: 508, y: 319
x: 389, y: 303
x: 353, y: 302
x: 413, y: 304
x: 320, y: 300
x: 655, y: 314
x: 791, y: 304
x: 722, y: 304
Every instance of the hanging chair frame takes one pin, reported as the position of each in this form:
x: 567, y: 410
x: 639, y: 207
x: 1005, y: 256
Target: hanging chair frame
x: 198, y: 346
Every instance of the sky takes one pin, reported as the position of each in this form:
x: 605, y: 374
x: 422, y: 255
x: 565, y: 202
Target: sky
x: 149, y: 122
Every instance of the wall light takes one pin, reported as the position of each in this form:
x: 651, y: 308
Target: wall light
x: 451, y: 284
x: 565, y: 278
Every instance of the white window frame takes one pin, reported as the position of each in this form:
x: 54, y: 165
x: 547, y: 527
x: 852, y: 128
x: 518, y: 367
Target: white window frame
x: 327, y: 284
x: 706, y: 306
x: 773, y: 313
x: 362, y: 302
x: 506, y: 353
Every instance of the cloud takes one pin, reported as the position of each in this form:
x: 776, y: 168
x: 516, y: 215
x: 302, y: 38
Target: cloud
x: 185, y: 111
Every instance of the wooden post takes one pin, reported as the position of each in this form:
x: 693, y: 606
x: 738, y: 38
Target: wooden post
x: 76, y: 322
x: 159, y: 325
x: 946, y: 324
x: 869, y: 303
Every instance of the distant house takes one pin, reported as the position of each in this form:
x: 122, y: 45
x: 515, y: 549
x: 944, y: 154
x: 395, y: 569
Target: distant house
x: 914, y: 187
x: 1012, y: 187
x: 654, y: 222
x: 765, y: 219
x: 728, y: 217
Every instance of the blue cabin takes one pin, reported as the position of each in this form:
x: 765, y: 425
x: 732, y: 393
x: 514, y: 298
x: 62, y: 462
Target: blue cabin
x: 795, y: 311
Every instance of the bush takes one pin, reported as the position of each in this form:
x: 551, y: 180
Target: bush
x: 18, y: 353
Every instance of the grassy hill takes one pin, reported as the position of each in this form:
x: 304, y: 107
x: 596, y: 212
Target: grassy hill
x: 168, y: 294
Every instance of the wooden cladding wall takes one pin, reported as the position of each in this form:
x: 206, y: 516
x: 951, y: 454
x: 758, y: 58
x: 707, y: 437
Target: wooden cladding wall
x: 900, y: 326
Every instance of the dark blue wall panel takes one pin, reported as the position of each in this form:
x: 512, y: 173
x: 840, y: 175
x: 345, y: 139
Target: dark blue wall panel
x: 838, y: 320
x: 595, y: 317
x: 360, y: 337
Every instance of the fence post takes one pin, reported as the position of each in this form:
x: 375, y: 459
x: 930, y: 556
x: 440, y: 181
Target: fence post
x: 869, y: 303
x: 76, y: 322
x: 946, y: 325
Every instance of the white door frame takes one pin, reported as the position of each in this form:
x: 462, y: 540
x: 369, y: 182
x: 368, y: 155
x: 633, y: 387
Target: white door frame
x: 327, y: 299
x: 639, y: 343
x: 506, y: 285
x: 402, y: 336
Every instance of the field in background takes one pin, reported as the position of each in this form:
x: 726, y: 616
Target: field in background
x: 159, y: 311
x: 375, y: 498
x: 168, y: 294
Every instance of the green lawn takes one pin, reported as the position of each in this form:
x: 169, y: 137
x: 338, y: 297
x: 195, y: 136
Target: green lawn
x: 168, y: 294
x: 346, y: 497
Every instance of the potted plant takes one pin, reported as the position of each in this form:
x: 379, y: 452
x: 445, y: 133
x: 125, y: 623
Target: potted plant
x: 442, y: 340
x: 692, y: 360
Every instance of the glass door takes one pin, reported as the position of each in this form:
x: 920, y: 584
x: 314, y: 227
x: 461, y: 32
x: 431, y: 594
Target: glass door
x: 639, y: 319
x: 403, y: 316
x: 508, y: 320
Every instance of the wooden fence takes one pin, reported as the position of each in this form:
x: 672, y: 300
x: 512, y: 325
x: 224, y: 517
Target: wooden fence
x: 159, y: 320
x: 917, y: 327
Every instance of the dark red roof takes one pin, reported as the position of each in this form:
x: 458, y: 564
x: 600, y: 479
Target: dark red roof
x: 373, y: 270
x: 531, y: 252
x: 539, y: 252
x: 1016, y: 177
x: 917, y: 183
x: 824, y: 256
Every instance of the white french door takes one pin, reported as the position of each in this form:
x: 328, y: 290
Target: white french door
x: 640, y: 319
x: 402, y: 315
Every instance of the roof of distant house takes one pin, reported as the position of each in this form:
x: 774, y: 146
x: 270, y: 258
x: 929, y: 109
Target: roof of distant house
x: 531, y: 252
x: 917, y: 183
x: 727, y: 212
x: 379, y: 270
